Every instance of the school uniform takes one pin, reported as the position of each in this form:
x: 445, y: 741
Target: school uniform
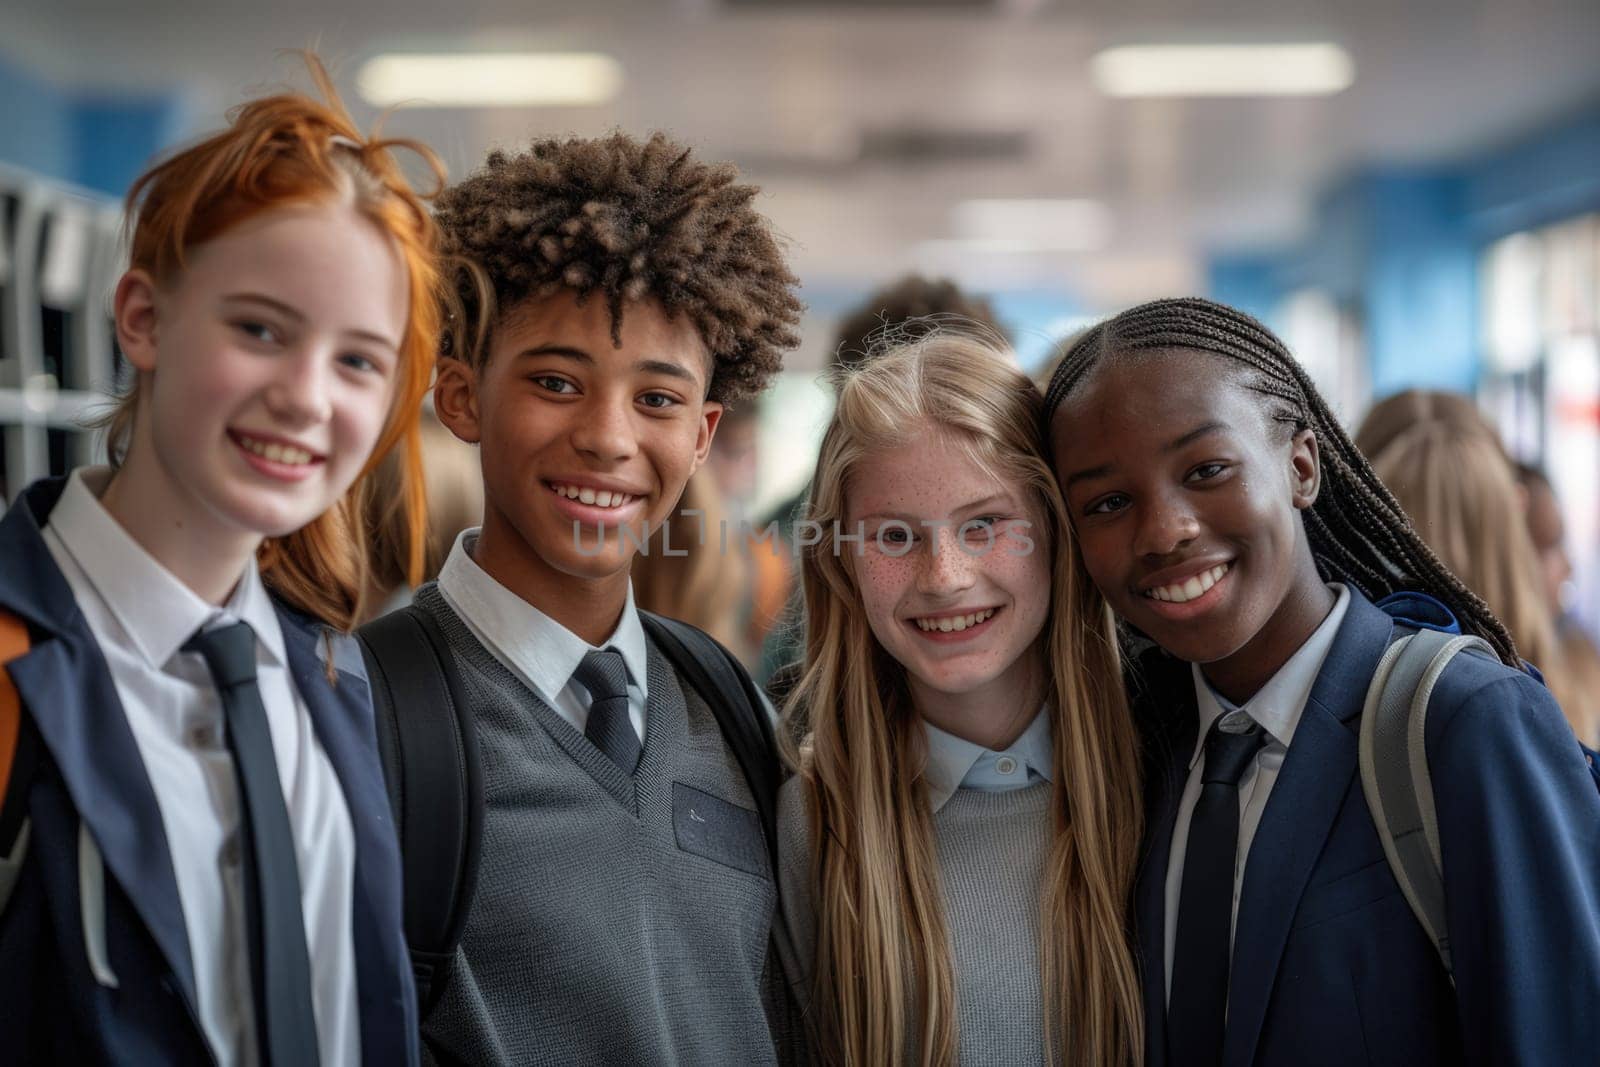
x: 124, y: 939
x: 993, y: 821
x: 624, y: 904
x: 1328, y: 963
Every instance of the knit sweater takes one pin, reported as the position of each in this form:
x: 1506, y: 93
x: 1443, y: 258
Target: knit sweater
x: 992, y: 848
x: 617, y: 919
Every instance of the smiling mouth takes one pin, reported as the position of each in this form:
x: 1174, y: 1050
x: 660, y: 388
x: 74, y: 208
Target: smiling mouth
x: 1190, y: 589
x: 953, y: 623
x: 599, y: 498
x: 274, y: 451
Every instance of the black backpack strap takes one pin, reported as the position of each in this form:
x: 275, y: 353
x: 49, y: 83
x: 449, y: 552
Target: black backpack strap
x: 430, y: 762
x: 729, y: 691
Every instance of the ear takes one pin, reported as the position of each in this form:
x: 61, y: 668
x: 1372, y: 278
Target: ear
x: 1305, y: 467
x: 134, y: 315
x: 455, y: 399
x: 710, y: 418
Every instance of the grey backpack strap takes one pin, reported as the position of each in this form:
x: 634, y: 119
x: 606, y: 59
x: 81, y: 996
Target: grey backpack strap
x: 1394, y: 770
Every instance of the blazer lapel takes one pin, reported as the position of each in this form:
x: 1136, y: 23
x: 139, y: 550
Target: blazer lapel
x: 1168, y: 718
x: 92, y: 746
x: 67, y: 688
x: 341, y: 714
x: 1317, y: 773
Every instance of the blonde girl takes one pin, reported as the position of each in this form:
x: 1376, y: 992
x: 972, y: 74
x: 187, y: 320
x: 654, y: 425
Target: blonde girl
x: 1448, y: 470
x: 959, y: 842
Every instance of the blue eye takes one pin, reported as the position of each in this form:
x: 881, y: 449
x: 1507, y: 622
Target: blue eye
x: 981, y: 529
x: 356, y: 361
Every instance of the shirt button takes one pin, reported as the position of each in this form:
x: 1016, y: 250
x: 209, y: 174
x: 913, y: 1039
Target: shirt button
x: 202, y: 736
x: 230, y: 851
x: 1005, y: 764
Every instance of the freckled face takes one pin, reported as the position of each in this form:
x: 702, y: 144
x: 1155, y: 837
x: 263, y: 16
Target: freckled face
x: 1186, y: 500
x: 954, y: 570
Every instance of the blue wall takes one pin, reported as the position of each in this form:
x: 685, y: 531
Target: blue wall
x: 1401, y: 247
x: 91, y: 139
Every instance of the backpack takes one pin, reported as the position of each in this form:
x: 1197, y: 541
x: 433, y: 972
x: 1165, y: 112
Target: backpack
x: 430, y: 762
x: 1394, y: 769
x: 18, y: 752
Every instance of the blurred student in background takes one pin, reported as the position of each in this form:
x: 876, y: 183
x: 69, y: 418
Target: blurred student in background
x: 455, y: 502
x: 692, y: 567
x: 767, y: 563
x: 1582, y: 659
x: 1449, y: 472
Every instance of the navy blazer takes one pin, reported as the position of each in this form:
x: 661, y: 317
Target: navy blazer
x: 53, y: 1008
x: 1329, y: 964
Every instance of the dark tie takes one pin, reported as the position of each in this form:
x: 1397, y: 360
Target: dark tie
x: 280, y: 968
x: 1197, y: 1007
x: 605, y: 676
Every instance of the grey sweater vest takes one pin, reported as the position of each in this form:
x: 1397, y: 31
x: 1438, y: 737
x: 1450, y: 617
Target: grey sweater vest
x: 616, y: 920
x: 992, y: 849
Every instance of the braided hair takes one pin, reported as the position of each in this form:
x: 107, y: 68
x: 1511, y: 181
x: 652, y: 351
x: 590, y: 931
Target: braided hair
x: 1358, y: 533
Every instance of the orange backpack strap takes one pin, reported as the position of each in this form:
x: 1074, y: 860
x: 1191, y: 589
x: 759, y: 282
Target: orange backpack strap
x: 17, y: 755
x: 13, y: 643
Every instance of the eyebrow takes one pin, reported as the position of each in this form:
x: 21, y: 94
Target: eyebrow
x: 578, y: 355
x: 1174, y: 445
x: 295, y: 315
x: 972, y: 505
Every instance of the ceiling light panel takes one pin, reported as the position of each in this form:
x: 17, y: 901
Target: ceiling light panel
x: 1223, y: 70
x: 497, y: 79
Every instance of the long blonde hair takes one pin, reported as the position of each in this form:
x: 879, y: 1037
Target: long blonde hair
x: 883, y: 959
x: 1449, y: 472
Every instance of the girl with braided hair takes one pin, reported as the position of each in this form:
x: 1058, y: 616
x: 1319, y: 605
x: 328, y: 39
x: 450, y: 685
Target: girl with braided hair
x: 1225, y: 515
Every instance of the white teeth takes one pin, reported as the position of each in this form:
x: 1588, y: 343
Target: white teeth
x: 953, y: 623
x: 1185, y: 591
x: 276, y: 453
x: 598, y: 497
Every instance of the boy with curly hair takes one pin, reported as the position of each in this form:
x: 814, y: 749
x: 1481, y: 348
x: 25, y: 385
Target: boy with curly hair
x: 623, y: 902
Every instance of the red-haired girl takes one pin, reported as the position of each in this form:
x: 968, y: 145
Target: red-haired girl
x: 196, y: 858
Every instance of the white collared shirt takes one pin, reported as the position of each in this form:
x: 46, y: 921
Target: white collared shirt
x: 532, y: 645
x: 141, y: 615
x: 1276, y: 707
x: 956, y: 763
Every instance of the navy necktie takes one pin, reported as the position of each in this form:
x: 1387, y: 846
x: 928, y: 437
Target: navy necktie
x: 1197, y: 1008
x: 605, y: 676
x: 280, y: 966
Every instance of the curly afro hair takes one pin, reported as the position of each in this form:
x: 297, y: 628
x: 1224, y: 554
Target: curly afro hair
x: 906, y: 309
x: 628, y: 221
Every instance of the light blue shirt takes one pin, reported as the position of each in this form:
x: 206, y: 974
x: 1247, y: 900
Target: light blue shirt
x: 955, y: 763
